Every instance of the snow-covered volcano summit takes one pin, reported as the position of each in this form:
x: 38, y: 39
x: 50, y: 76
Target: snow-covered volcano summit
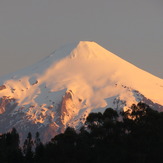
x: 66, y: 86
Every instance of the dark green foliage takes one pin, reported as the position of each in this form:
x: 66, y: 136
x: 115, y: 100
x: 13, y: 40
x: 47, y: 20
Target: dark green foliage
x: 137, y: 138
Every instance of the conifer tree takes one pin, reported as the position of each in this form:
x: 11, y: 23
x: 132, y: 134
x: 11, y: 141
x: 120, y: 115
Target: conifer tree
x: 39, y: 149
x: 27, y: 148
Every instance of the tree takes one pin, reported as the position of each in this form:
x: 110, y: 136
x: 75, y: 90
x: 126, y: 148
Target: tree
x: 27, y: 148
x: 94, y: 120
x: 9, y: 147
x: 110, y: 114
x: 39, y: 149
x: 37, y: 141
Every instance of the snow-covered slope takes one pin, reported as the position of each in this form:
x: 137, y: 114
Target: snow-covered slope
x: 66, y: 86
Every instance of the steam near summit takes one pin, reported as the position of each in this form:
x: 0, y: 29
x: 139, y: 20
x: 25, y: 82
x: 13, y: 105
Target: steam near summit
x: 62, y: 89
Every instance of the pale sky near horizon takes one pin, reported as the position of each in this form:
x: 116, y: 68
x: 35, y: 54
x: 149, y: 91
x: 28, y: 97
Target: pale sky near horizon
x: 32, y: 29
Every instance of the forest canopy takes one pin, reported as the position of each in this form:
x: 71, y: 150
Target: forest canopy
x: 133, y: 136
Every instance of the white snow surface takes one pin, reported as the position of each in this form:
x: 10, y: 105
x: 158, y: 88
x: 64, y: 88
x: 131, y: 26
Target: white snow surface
x: 75, y: 80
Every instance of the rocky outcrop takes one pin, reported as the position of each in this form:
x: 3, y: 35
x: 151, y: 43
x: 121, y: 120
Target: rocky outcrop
x: 2, y: 87
x: 68, y: 107
x: 6, y: 102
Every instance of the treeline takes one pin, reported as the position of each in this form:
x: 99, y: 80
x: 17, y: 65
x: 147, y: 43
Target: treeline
x: 134, y: 136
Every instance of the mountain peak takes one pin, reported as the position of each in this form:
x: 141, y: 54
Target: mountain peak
x: 80, y: 47
x: 90, y: 44
x: 66, y: 86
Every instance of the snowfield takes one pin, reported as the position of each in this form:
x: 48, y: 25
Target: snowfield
x: 62, y: 89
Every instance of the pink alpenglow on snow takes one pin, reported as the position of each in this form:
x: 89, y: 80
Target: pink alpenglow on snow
x: 62, y: 89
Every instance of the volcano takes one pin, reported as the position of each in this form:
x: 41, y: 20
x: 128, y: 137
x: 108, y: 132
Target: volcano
x: 63, y: 88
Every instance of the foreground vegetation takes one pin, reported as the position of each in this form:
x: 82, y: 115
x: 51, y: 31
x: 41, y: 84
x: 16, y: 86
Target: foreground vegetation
x: 135, y: 137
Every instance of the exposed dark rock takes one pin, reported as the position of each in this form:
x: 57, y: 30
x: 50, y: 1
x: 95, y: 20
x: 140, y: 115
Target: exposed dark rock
x: 2, y: 87
x: 5, y: 103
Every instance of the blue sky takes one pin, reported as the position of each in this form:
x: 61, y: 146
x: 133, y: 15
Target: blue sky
x: 31, y: 30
